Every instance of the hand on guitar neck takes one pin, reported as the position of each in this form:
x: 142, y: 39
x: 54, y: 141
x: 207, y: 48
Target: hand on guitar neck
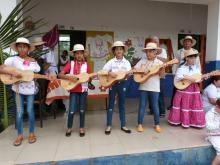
x: 189, y: 78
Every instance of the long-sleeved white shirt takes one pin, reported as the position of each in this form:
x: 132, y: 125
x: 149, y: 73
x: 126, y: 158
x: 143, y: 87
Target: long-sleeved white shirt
x: 213, y: 122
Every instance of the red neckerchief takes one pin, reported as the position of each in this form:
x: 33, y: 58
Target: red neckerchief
x: 77, y: 67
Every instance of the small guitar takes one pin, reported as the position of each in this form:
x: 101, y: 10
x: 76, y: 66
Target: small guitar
x: 106, y: 80
x: 25, y: 76
x: 80, y: 78
x: 182, y: 84
x: 144, y: 76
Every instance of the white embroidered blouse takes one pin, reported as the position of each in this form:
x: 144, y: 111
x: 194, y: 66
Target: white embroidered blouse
x: 25, y: 88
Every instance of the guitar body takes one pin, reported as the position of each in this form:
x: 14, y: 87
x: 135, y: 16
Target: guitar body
x: 183, y: 84
x: 8, y: 79
x: 107, y: 81
x: 82, y: 78
x: 142, y: 77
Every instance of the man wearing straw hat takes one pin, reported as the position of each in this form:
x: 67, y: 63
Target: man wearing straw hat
x: 188, y: 42
x: 51, y: 65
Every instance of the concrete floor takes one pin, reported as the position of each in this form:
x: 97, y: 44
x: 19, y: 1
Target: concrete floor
x: 53, y: 145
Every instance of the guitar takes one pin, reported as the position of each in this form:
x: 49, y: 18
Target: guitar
x: 144, y: 76
x: 106, y: 80
x: 182, y: 84
x: 25, y: 76
x: 80, y: 78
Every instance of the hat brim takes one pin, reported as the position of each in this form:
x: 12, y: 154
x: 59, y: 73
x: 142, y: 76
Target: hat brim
x: 193, y: 41
x: 13, y: 46
x: 39, y: 43
x: 192, y: 55
x: 159, y: 50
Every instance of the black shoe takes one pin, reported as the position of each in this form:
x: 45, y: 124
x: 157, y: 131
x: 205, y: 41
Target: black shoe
x: 81, y: 134
x: 162, y: 115
x: 126, y: 130
x: 107, y: 132
x: 68, y: 134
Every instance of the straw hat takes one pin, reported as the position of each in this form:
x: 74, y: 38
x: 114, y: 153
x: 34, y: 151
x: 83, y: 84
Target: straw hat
x: 24, y: 41
x: 78, y: 47
x: 118, y: 43
x: 38, y: 41
x: 190, y: 52
x: 152, y: 45
x: 188, y: 38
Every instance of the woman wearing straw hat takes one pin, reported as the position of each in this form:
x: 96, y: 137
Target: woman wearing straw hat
x: 187, y: 107
x: 118, y: 63
x: 187, y: 42
x: 24, y: 90
x: 74, y: 67
x: 151, y: 88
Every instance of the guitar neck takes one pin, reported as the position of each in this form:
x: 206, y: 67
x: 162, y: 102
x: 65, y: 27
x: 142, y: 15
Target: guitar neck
x: 40, y: 76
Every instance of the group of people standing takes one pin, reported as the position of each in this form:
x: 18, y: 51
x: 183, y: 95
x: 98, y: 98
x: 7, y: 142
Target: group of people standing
x: 187, y: 107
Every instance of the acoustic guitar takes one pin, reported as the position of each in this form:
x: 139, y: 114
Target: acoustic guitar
x: 106, y: 80
x: 80, y: 78
x: 183, y: 84
x: 25, y: 76
x: 144, y: 76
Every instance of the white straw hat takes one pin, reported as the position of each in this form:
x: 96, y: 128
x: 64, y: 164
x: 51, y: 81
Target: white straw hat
x: 118, y: 43
x: 78, y: 47
x: 188, y: 38
x: 38, y: 41
x: 190, y: 52
x: 24, y: 41
x: 152, y: 45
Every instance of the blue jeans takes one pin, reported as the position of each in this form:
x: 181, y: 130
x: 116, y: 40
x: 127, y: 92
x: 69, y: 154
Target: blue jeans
x: 161, y: 97
x: 20, y: 112
x: 74, y: 96
x: 153, y: 100
x: 120, y: 89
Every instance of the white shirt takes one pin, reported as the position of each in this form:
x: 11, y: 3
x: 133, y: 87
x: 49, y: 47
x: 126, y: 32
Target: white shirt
x: 210, y: 91
x: 185, y: 70
x: 213, y: 122
x: 115, y: 65
x: 25, y: 88
x: 180, y: 57
x: 50, y: 58
x: 153, y: 83
x: 163, y: 53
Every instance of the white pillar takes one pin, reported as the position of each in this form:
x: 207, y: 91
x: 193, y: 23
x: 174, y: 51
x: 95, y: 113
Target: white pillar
x: 213, y: 32
x: 6, y: 6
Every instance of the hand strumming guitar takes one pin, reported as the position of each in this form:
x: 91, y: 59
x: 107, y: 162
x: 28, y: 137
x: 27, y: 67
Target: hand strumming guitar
x: 113, y: 75
x: 186, y: 77
x: 72, y: 78
x: 16, y: 74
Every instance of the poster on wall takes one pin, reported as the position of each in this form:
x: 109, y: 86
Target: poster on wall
x: 98, y: 45
x: 134, y: 46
